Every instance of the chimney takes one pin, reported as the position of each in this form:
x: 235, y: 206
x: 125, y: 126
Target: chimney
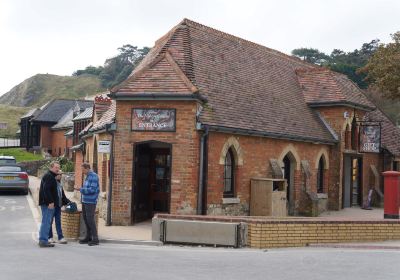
x: 101, y: 104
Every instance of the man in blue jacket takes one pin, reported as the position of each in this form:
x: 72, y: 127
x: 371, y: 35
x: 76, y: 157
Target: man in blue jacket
x: 90, y: 192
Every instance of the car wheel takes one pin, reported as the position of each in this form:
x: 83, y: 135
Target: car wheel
x: 25, y: 192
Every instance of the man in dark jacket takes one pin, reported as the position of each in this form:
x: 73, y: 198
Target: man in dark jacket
x: 47, y: 198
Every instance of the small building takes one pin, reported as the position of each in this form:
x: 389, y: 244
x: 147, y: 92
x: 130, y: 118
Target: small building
x: 205, y: 112
x: 44, y: 128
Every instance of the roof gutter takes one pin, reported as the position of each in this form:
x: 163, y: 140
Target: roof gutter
x: 157, y: 96
x: 341, y: 103
x: 251, y: 132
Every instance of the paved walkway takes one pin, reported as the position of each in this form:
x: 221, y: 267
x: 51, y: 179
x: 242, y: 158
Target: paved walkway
x: 137, y: 234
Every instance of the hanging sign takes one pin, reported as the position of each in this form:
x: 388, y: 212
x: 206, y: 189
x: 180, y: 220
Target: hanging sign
x: 153, y: 119
x: 103, y: 147
x: 370, y: 138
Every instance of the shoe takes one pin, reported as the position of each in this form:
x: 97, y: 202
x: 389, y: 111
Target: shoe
x: 51, y: 240
x: 93, y: 243
x: 45, y: 245
x: 62, y: 241
x: 84, y: 241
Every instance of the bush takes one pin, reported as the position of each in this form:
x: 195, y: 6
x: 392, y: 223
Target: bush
x: 66, y: 164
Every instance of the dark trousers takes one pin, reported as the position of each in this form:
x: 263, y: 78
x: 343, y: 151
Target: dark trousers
x: 88, y: 212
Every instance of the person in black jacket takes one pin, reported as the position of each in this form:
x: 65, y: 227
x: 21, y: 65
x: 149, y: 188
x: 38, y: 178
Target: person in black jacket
x: 47, y: 198
x: 60, y: 201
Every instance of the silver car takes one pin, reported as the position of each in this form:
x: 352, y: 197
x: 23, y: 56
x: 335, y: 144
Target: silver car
x: 13, y: 178
x: 6, y: 160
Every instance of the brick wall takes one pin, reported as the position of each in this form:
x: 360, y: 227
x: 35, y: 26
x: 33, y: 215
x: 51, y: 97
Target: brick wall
x: 255, y: 155
x: 46, y: 137
x: 78, y: 168
x: 58, y: 143
x: 296, y: 232
x: 300, y: 233
x: 185, y: 153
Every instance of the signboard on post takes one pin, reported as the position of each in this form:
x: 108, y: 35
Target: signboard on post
x: 103, y: 147
x: 370, y: 138
x: 153, y: 119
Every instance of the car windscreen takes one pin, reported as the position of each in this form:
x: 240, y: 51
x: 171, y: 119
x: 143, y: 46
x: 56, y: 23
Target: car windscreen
x: 7, y: 161
x: 10, y: 168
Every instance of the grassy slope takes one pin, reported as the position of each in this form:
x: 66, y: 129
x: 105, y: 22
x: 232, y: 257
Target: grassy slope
x: 20, y: 154
x: 41, y: 88
x: 11, y: 116
x: 38, y: 90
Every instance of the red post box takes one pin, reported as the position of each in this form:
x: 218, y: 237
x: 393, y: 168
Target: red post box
x: 392, y: 194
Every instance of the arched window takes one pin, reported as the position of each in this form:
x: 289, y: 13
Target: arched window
x: 320, y: 176
x: 229, y: 174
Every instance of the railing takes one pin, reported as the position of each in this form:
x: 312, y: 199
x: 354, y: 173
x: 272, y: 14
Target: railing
x: 9, y: 142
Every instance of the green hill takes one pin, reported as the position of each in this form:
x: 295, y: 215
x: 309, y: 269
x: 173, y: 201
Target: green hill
x: 11, y: 115
x: 41, y: 88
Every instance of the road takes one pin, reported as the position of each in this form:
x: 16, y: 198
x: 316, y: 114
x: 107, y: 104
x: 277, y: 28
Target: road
x: 21, y: 258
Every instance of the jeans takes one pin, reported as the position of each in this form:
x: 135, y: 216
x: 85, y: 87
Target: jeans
x: 47, y: 217
x: 88, y: 212
x: 57, y: 218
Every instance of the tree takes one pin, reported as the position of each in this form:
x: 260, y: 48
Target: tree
x: 310, y: 55
x: 383, y: 68
x: 347, y: 63
x: 118, y: 68
x: 92, y: 70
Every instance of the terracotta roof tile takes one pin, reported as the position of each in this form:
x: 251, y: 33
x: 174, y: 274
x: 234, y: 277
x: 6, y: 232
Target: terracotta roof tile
x: 248, y: 86
x: 107, y: 118
x: 322, y: 86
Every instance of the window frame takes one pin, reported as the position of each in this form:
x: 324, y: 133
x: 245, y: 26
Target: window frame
x: 320, y: 175
x: 231, y: 182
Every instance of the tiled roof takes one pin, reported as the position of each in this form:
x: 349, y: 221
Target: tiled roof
x: 86, y: 129
x: 249, y: 87
x: 65, y: 122
x: 322, y: 86
x: 57, y: 108
x: 87, y: 114
x: 107, y: 118
x: 31, y: 113
x: 390, y: 133
x: 69, y: 133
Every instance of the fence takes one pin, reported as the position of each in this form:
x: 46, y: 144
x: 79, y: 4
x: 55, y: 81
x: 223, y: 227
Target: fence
x: 9, y: 142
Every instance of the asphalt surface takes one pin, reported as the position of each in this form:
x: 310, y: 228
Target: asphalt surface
x: 21, y: 258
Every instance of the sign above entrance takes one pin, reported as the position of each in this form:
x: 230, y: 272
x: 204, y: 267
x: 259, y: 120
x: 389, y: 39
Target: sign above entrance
x: 370, y: 138
x: 153, y: 119
x: 103, y: 147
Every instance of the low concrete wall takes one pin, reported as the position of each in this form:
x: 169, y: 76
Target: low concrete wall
x: 295, y: 232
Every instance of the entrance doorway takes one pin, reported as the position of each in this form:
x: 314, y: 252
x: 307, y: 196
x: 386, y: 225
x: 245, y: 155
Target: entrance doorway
x: 352, y: 181
x: 152, y: 180
x: 288, y: 174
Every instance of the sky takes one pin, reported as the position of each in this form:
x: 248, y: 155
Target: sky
x: 62, y: 36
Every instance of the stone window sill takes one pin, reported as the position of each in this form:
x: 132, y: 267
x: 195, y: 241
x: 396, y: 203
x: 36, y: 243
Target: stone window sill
x: 230, y: 200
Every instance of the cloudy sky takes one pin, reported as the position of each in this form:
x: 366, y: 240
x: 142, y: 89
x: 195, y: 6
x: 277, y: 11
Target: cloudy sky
x: 61, y: 36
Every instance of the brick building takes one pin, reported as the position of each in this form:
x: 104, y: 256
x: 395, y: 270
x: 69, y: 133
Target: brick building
x: 46, y: 128
x: 206, y: 111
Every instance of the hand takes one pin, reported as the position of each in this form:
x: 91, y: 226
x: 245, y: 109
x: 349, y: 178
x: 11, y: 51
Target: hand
x: 51, y: 206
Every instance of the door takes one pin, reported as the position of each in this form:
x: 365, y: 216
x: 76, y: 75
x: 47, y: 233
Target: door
x: 347, y: 182
x: 160, y: 176
x: 352, y: 181
x: 141, y: 182
x: 152, y: 180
